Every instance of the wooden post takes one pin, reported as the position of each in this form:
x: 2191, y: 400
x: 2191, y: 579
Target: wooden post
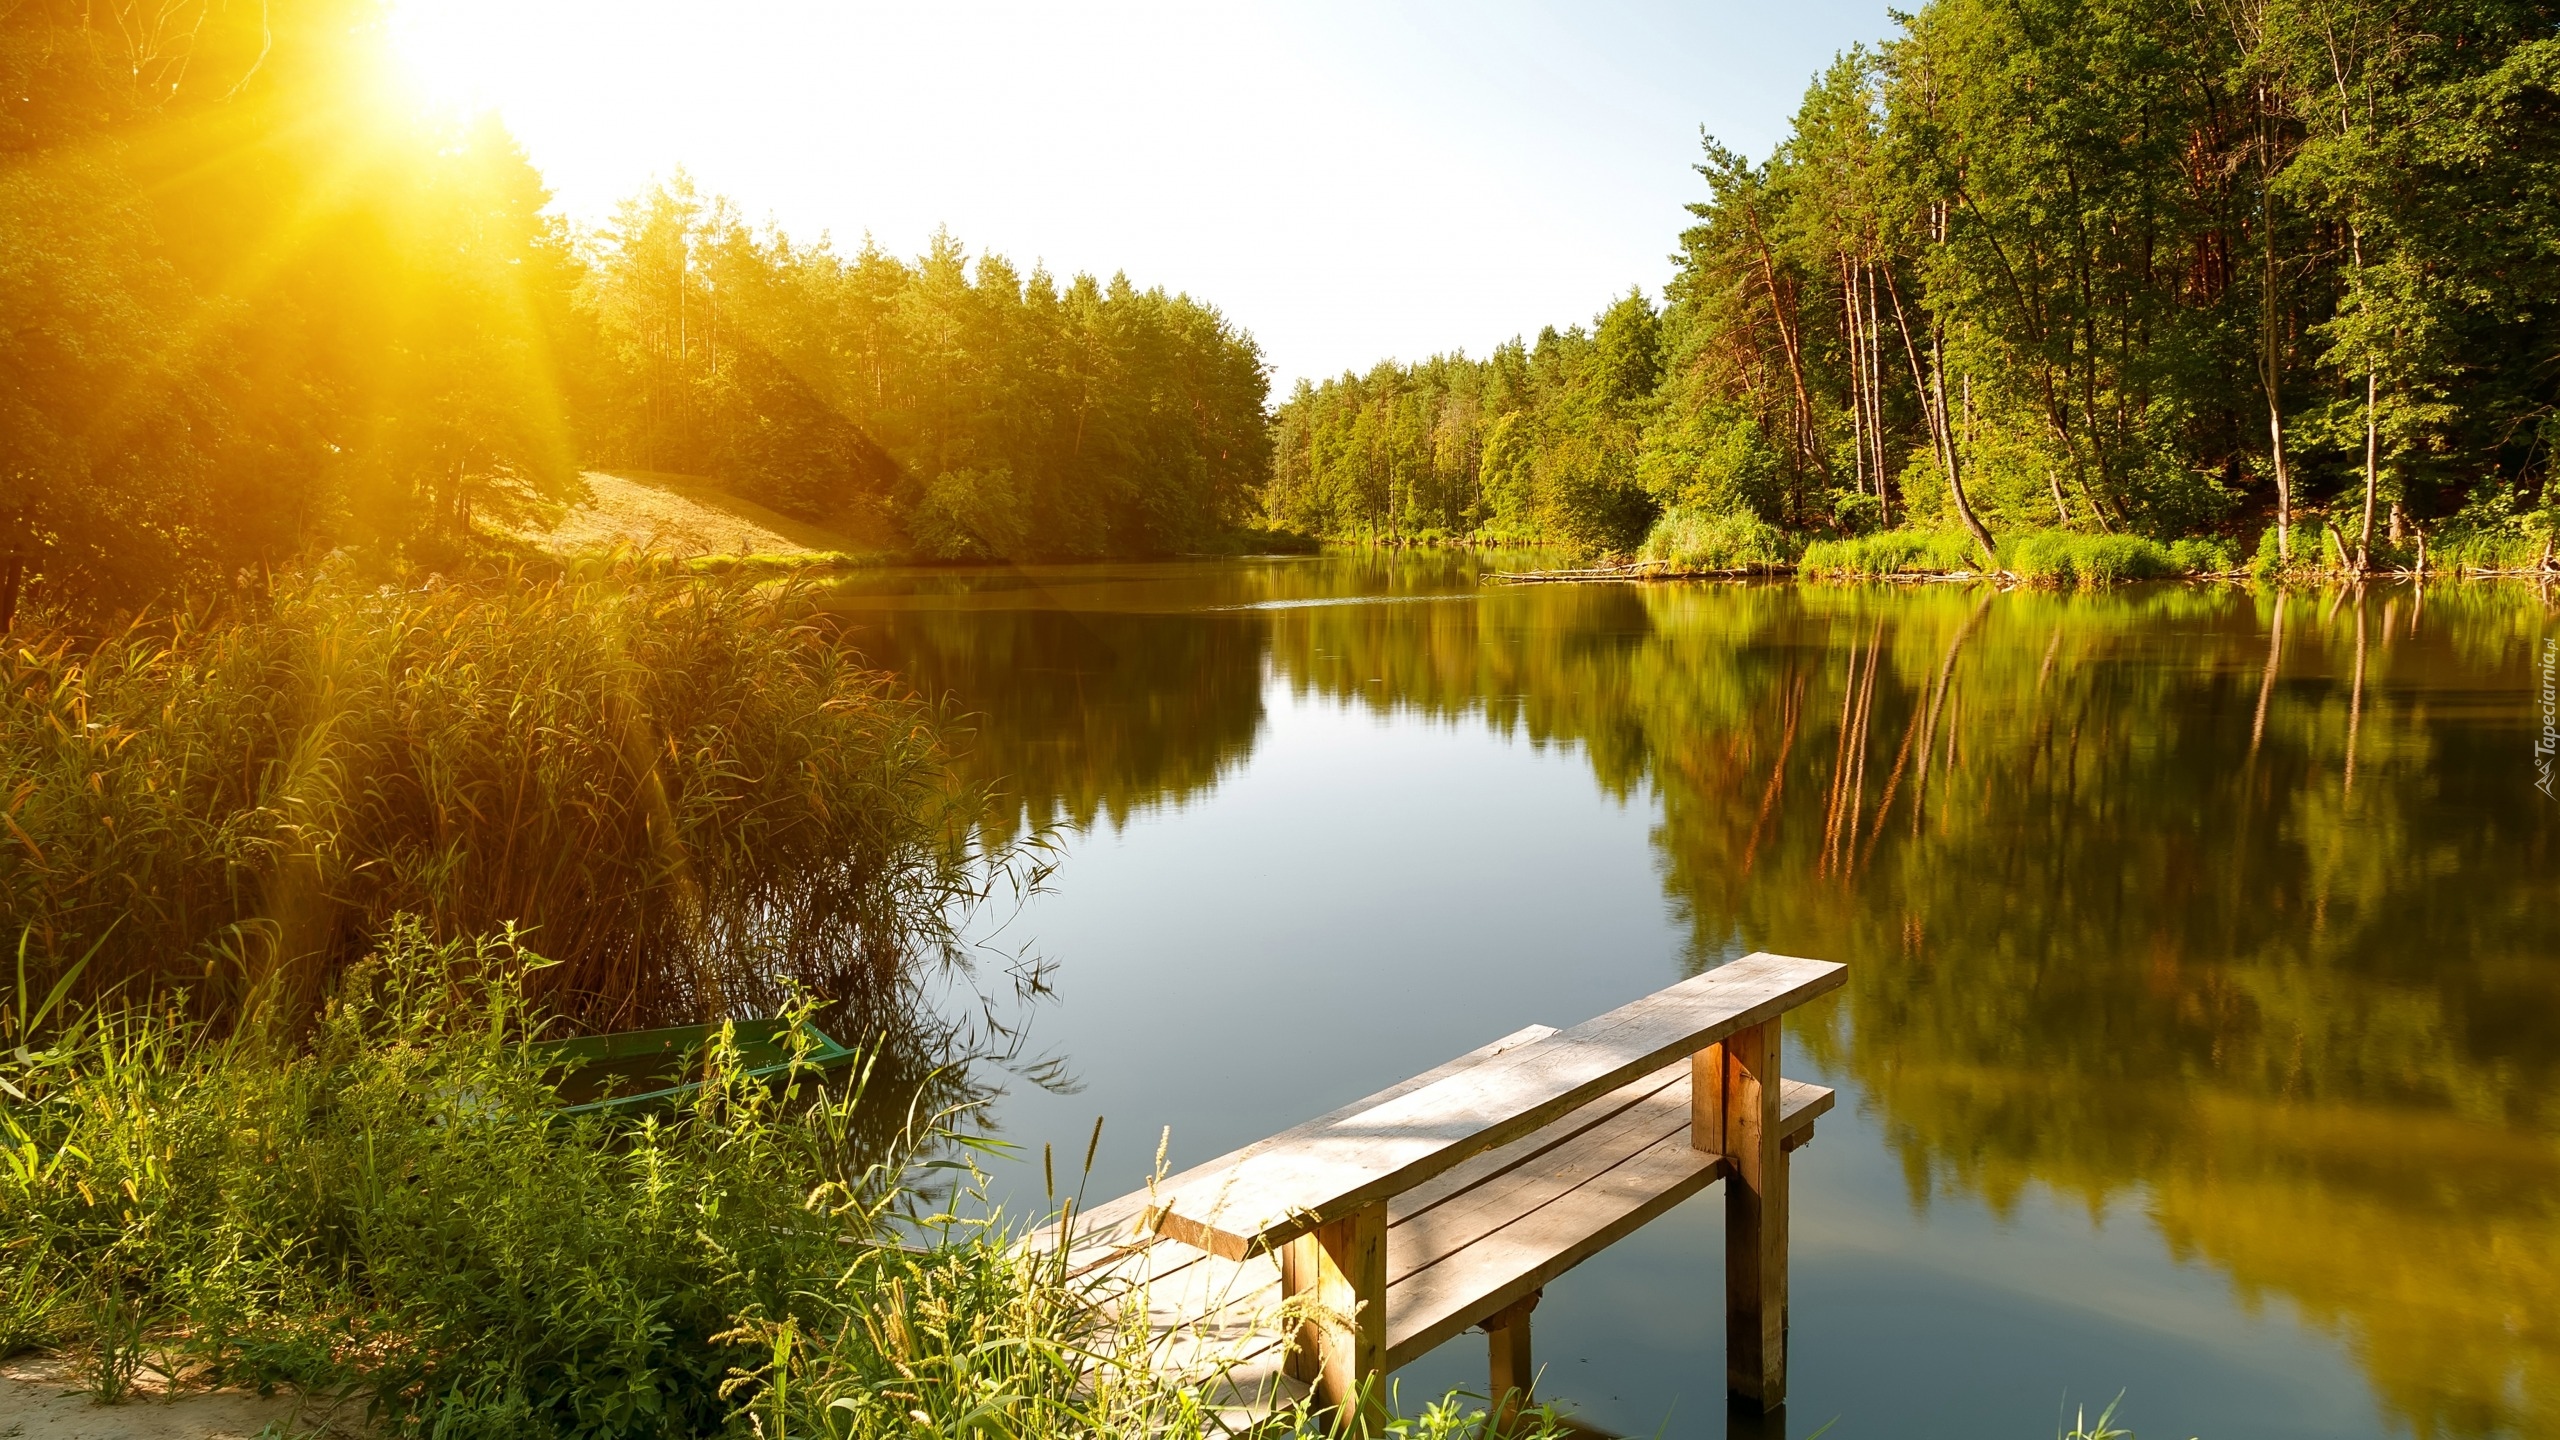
x: 1506, y: 1337
x: 1733, y: 1111
x: 1336, y: 1274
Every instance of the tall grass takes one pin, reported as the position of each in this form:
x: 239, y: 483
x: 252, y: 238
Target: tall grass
x: 393, y: 1211
x: 683, y: 788
x: 2062, y: 557
x: 1698, y: 540
x: 2052, y: 557
x: 2496, y: 543
x: 1891, y: 552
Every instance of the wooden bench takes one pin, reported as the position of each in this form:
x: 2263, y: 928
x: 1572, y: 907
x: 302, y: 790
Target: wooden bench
x: 1307, y: 1266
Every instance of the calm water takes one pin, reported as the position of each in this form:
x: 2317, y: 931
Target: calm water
x: 2202, y: 1040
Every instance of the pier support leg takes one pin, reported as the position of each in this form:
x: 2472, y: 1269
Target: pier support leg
x: 1733, y: 1095
x: 1336, y: 1275
x: 1506, y: 1337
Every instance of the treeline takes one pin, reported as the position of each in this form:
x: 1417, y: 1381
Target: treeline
x: 2124, y: 266
x: 954, y: 409
x: 256, y: 312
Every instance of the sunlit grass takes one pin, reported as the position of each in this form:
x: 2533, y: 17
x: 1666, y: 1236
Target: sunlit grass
x: 394, y: 1210
x: 686, y: 789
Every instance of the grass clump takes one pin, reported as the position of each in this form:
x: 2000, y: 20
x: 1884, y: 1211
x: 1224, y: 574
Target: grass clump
x: 1891, y: 552
x: 2061, y: 557
x: 392, y: 1210
x: 687, y: 788
x: 1699, y: 540
x: 2479, y: 541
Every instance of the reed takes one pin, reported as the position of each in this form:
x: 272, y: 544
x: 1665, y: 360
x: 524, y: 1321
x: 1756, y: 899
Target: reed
x: 684, y: 789
x: 1891, y: 552
x: 2061, y: 557
x: 1699, y: 540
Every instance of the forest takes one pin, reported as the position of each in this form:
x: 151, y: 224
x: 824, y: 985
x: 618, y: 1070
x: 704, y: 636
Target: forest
x: 2264, y: 270
x: 258, y: 315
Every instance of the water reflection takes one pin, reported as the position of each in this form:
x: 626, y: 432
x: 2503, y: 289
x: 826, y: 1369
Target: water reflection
x: 2230, y: 907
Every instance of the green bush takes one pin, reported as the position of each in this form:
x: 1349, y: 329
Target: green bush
x: 1697, y: 540
x: 394, y: 1208
x: 2474, y: 541
x: 1892, y: 552
x: 2203, y: 556
x: 397, y: 1208
x: 2267, y: 561
x: 2064, y: 558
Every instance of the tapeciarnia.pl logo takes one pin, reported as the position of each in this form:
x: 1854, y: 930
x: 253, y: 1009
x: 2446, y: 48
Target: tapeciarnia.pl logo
x: 2548, y: 742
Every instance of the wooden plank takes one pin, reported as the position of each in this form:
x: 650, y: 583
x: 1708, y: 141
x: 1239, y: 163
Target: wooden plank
x: 1201, y: 1321
x: 1469, y: 1176
x: 1251, y: 1390
x: 1433, y: 1236
x: 1734, y: 1088
x: 1115, y: 1222
x: 1443, y: 1300
x: 1264, y: 1199
x: 1206, y: 1319
x: 1454, y: 1275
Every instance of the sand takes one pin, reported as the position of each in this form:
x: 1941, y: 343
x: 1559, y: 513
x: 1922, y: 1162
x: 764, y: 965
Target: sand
x: 676, y: 515
x: 40, y: 1400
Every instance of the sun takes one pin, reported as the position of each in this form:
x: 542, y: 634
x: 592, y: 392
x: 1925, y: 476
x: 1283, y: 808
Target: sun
x: 450, y: 55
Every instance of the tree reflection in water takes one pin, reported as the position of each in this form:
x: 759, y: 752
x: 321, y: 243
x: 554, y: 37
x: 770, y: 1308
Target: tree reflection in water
x: 2231, y: 905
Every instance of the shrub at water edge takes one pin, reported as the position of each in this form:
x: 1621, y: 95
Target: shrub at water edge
x: 1891, y: 552
x: 1698, y: 540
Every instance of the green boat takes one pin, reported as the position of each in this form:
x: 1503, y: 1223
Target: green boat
x: 636, y: 1071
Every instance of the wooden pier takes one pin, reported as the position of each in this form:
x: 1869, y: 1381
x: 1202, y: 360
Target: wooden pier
x: 1304, y: 1268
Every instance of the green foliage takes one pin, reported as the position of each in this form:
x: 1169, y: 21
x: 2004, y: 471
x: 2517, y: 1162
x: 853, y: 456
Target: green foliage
x: 1689, y: 540
x: 396, y: 1210
x: 685, y: 787
x: 958, y: 409
x: 2056, y: 264
x: 2482, y: 539
x: 2064, y: 558
x: 1537, y: 444
x: 2268, y: 559
x: 377, y: 337
x: 1891, y: 552
x: 2203, y: 555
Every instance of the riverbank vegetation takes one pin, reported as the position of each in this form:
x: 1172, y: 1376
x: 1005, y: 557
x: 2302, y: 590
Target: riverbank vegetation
x: 684, y: 788
x: 391, y: 1217
x: 2104, y: 269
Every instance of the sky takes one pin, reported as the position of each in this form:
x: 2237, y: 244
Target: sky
x: 1349, y: 181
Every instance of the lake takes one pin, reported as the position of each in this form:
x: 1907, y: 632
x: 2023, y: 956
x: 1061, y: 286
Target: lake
x: 2202, y: 1036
